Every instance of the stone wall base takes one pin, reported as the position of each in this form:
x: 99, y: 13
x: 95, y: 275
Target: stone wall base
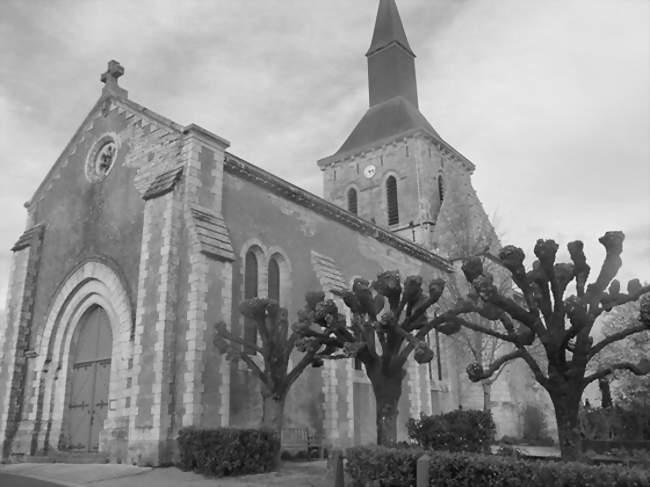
x: 23, y: 439
x: 114, y: 440
x: 151, y: 453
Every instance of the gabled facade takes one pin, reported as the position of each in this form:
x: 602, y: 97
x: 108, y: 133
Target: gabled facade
x: 146, y: 233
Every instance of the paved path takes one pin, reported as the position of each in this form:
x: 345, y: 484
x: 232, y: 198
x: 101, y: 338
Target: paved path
x: 9, y: 480
x: 291, y: 474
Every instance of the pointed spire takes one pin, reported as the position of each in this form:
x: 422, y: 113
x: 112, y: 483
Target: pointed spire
x: 391, y: 62
x: 388, y: 28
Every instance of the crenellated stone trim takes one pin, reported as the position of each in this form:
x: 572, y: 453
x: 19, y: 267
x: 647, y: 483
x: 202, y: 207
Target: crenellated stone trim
x: 160, y: 134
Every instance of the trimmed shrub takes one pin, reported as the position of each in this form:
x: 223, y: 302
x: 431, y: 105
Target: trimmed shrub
x: 392, y: 467
x: 460, y: 430
x: 387, y: 466
x: 227, y: 451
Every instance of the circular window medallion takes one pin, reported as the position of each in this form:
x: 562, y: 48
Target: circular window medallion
x: 369, y: 171
x: 101, y: 159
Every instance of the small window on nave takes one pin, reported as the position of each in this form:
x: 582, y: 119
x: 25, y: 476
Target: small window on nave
x: 352, y: 201
x: 391, y: 200
x: 250, y: 291
x: 274, y: 279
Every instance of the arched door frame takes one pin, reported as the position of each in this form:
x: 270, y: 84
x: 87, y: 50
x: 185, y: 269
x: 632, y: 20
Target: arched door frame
x: 92, y: 283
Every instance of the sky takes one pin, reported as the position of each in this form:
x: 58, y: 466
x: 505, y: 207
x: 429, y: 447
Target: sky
x: 549, y: 98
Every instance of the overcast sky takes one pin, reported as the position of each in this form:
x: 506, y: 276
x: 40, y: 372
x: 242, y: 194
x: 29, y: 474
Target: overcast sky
x: 549, y: 98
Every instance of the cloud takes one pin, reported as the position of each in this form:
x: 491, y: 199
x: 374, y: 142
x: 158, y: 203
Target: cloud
x: 549, y: 99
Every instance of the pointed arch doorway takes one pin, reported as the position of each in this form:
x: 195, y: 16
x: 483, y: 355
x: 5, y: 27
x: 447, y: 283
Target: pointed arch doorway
x: 90, y: 371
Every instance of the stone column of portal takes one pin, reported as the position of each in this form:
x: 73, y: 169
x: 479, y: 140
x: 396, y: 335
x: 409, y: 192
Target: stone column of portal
x: 150, y: 418
x: 14, y: 342
x: 203, y: 156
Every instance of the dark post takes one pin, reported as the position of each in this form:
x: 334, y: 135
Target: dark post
x: 422, y: 471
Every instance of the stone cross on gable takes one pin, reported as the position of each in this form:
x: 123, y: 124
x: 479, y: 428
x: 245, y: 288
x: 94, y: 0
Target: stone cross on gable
x: 109, y: 78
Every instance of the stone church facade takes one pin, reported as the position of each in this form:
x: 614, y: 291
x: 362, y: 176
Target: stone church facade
x: 145, y: 233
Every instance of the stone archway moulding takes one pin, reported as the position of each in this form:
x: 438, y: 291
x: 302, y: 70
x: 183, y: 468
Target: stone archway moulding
x: 92, y: 283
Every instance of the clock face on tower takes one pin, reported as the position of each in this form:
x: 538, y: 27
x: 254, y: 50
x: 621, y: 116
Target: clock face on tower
x: 369, y: 171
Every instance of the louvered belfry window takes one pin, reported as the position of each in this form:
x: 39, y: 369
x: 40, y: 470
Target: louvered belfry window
x: 274, y: 280
x: 250, y: 291
x: 352, y: 201
x: 391, y: 198
x: 441, y: 188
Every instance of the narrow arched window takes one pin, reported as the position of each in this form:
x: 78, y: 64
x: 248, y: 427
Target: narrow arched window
x: 441, y: 188
x: 352, y: 201
x: 274, y: 279
x: 250, y: 291
x: 391, y: 199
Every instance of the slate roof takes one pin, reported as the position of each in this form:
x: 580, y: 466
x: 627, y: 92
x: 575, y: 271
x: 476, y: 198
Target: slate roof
x: 212, y: 233
x: 387, y: 119
x: 164, y: 183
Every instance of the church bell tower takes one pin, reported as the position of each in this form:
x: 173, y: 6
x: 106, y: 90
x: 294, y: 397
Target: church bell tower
x: 394, y: 169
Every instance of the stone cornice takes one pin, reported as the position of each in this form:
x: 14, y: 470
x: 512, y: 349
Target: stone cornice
x: 444, y: 147
x: 280, y: 187
x: 205, y: 136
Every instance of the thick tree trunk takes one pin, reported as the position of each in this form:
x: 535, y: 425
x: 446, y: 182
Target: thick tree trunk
x: 387, y: 393
x: 568, y: 426
x: 487, y: 395
x: 273, y: 416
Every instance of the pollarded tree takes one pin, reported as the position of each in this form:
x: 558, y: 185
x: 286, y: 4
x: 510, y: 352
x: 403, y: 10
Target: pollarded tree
x: 563, y: 326
x: 270, y: 359
x: 381, y: 337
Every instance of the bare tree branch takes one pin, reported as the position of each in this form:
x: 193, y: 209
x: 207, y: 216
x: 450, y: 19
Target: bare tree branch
x: 254, y: 368
x: 477, y: 374
x: 227, y: 335
x: 614, y: 337
x: 642, y: 368
x: 298, y: 369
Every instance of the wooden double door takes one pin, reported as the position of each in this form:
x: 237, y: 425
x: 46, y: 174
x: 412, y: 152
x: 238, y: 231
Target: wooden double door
x: 89, y: 380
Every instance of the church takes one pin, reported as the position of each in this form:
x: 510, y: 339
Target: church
x: 145, y: 233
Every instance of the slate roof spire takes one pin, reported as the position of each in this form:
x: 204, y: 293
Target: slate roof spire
x: 391, y: 62
x: 392, y: 84
x: 388, y: 28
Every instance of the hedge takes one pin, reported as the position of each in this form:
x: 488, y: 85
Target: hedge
x: 391, y: 467
x: 227, y: 451
x: 460, y: 430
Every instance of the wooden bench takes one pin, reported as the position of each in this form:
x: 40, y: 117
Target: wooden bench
x: 294, y: 440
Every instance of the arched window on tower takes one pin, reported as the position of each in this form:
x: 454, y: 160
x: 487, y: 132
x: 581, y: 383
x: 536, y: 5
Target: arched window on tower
x: 391, y: 200
x: 352, y: 201
x: 250, y: 291
x: 441, y: 188
x: 274, y: 279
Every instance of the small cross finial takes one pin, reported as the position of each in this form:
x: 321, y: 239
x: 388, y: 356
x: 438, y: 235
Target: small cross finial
x: 109, y: 78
